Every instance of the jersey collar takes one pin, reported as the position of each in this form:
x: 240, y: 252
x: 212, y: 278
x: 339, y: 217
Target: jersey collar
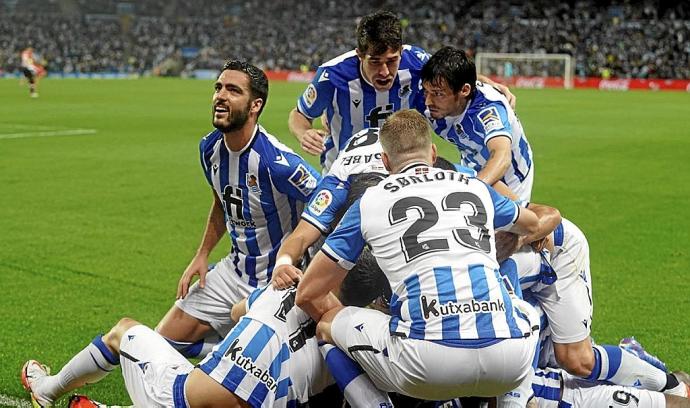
x: 412, y: 166
x: 249, y: 143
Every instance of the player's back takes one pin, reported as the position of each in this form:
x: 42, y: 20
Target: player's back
x: 432, y: 233
x: 272, y: 353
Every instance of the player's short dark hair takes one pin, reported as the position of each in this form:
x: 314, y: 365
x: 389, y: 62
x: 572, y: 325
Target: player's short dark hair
x: 378, y: 32
x: 452, y: 66
x: 258, y: 82
x: 365, y: 282
x: 444, y: 164
x: 358, y: 185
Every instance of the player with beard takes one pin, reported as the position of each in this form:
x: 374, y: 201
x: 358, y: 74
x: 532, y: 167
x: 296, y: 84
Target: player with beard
x: 259, y: 188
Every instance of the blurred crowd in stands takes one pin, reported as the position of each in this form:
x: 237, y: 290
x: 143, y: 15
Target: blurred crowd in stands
x: 649, y: 39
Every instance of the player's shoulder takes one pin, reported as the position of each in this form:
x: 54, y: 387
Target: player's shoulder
x: 271, y: 150
x: 340, y: 69
x: 207, y: 143
x: 485, y: 97
x: 413, y: 57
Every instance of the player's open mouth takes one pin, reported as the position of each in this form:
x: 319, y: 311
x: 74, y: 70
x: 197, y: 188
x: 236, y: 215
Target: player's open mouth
x: 220, y: 110
x: 383, y: 82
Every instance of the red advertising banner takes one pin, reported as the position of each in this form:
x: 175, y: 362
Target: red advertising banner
x: 616, y: 84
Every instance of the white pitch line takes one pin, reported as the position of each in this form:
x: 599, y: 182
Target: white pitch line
x: 8, y: 401
x: 68, y: 132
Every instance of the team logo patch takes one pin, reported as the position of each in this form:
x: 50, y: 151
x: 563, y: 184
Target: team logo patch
x: 421, y: 170
x: 303, y: 180
x: 404, y: 90
x: 321, y: 202
x: 310, y: 95
x: 490, y: 119
x: 460, y: 131
x: 252, y: 183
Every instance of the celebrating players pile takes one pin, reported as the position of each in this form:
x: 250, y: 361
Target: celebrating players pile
x: 435, y: 281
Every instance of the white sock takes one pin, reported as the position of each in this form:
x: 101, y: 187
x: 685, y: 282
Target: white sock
x: 88, y: 366
x: 623, y: 368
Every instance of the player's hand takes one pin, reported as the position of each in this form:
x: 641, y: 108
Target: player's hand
x: 312, y: 141
x: 512, y: 99
x: 285, y: 276
x: 539, y: 244
x: 198, y: 266
x: 506, y: 245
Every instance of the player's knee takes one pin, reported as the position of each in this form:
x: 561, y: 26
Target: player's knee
x: 113, y: 337
x: 323, y: 331
x: 575, y: 359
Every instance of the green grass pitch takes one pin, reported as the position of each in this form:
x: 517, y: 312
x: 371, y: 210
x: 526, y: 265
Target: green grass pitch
x: 100, y: 225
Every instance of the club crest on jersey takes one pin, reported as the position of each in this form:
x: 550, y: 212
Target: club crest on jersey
x: 460, y: 131
x: 404, y: 90
x: 310, y: 95
x: 321, y: 202
x: 252, y: 183
x: 303, y: 180
x: 490, y: 119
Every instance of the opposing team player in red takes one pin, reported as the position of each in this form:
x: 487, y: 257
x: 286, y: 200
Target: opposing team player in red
x: 32, y: 70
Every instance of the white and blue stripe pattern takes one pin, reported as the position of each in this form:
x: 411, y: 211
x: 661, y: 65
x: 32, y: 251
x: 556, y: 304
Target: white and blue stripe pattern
x: 546, y: 384
x: 263, y: 189
x: 352, y: 104
x: 453, y: 290
x: 471, y: 131
x: 251, y: 362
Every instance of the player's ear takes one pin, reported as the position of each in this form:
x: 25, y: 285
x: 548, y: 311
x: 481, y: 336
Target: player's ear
x: 386, y: 162
x: 434, y: 154
x: 360, y: 54
x: 256, y: 105
x: 466, y: 90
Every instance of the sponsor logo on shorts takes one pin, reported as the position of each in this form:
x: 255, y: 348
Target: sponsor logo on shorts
x: 248, y: 365
x: 431, y: 308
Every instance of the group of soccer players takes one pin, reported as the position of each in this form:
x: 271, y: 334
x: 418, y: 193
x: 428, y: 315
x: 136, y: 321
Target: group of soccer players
x: 445, y: 318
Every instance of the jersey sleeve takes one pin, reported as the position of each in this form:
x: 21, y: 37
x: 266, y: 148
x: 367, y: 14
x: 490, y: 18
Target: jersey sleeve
x: 330, y: 197
x: 346, y: 243
x: 293, y: 176
x: 465, y: 170
x: 205, y: 152
x: 317, y: 96
x: 506, y: 211
x: 493, y: 121
x: 255, y: 295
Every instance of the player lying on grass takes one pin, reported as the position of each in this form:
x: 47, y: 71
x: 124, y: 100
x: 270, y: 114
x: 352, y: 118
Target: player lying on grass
x: 558, y: 280
x: 270, y: 358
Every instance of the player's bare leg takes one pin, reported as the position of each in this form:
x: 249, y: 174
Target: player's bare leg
x: 185, y: 332
x: 611, y: 363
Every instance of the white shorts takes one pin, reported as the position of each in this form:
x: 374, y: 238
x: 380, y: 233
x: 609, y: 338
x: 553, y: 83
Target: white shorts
x: 584, y: 394
x: 150, y: 366
x: 426, y: 369
x: 568, y: 302
x: 214, y: 302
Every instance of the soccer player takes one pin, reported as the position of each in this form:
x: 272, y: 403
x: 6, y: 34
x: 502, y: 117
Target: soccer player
x: 359, y: 89
x: 259, y: 186
x: 478, y: 120
x: 454, y: 330
x: 269, y: 359
x: 31, y: 70
x: 558, y: 280
x: 361, y: 156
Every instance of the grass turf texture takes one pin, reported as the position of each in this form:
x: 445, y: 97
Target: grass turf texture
x: 97, y: 227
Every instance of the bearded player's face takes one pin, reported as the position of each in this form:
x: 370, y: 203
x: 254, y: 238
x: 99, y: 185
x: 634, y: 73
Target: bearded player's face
x: 231, y: 101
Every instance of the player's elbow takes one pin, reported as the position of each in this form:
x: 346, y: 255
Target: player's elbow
x: 303, y: 298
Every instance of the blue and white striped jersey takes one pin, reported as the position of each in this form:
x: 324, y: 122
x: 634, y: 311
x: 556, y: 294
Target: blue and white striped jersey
x: 432, y: 233
x: 533, y: 269
x: 546, y: 384
x: 352, y: 104
x: 362, y: 155
x: 271, y: 357
x: 486, y: 116
x: 263, y: 189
